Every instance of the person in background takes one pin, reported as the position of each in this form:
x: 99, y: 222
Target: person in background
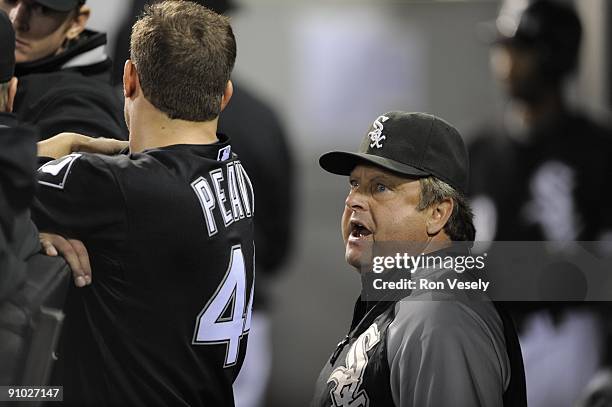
x: 533, y: 175
x: 63, y: 70
x: 17, y: 166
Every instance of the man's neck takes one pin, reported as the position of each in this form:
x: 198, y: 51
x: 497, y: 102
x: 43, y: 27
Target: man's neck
x: 437, y: 242
x: 151, y: 129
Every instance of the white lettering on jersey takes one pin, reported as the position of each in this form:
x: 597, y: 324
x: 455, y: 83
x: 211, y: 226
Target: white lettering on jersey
x: 243, y: 180
x: 217, y: 178
x: 207, y: 201
x: 239, y: 194
x: 232, y: 188
x: 346, y: 390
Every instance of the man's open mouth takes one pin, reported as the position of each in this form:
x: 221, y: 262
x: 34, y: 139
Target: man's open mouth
x: 358, y: 230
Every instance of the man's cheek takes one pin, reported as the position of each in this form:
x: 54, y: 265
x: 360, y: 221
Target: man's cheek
x: 344, y: 224
x: 345, y: 232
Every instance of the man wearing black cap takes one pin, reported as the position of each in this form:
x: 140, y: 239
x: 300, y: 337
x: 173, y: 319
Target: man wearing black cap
x: 533, y: 175
x: 407, y: 186
x: 539, y: 141
x: 63, y: 71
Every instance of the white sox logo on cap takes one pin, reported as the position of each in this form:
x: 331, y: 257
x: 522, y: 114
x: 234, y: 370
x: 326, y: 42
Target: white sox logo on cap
x: 376, y: 135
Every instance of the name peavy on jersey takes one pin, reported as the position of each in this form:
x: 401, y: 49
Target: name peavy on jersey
x: 231, y: 195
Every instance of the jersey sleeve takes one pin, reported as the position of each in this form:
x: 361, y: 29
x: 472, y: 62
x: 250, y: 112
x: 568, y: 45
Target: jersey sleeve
x: 81, y: 113
x: 440, y: 355
x: 79, y: 197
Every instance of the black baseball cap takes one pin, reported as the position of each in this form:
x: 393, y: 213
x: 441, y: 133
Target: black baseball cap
x: 551, y: 28
x: 7, y: 48
x: 413, y: 144
x: 61, y: 5
x: 536, y: 22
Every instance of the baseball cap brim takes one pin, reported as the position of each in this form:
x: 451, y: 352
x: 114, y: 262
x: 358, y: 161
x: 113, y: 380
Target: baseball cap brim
x: 60, y: 5
x: 343, y: 162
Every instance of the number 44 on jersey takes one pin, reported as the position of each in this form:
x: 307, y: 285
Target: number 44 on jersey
x: 214, y: 325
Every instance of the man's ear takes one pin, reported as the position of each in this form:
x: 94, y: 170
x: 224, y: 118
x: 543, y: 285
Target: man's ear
x: 77, y: 24
x: 12, y: 91
x: 438, y: 215
x: 227, y: 94
x: 131, y: 83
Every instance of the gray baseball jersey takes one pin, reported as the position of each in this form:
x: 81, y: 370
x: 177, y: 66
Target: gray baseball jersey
x: 430, y: 349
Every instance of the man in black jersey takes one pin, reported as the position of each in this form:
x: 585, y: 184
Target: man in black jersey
x: 535, y: 170
x: 168, y: 228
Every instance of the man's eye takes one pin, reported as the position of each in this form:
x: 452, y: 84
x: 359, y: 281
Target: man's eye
x: 353, y: 184
x: 381, y: 188
x: 39, y: 9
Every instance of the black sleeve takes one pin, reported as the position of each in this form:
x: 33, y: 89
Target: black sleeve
x: 81, y: 112
x: 17, y: 167
x: 79, y: 197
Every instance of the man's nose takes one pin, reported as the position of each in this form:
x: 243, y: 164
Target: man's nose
x: 20, y: 17
x: 356, y: 200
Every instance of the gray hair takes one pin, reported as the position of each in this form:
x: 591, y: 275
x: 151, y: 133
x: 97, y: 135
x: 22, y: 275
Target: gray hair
x: 460, y: 225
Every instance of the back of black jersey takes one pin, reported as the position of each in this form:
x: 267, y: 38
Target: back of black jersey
x: 559, y: 163
x: 167, y: 317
